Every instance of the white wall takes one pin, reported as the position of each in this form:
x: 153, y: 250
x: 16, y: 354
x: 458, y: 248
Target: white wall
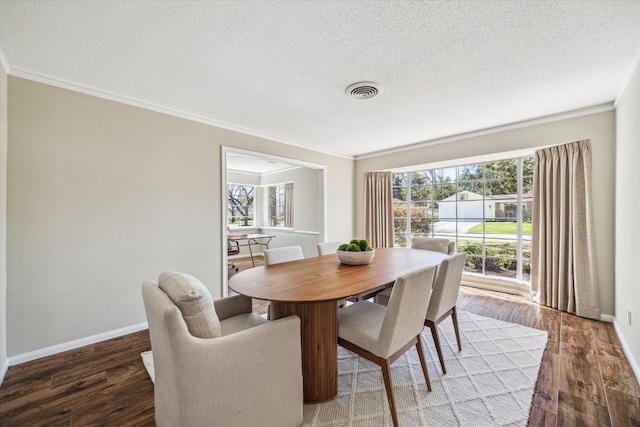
x: 627, y: 298
x: 103, y: 196
x: 3, y: 221
x: 306, y: 195
x: 236, y: 177
x: 599, y: 128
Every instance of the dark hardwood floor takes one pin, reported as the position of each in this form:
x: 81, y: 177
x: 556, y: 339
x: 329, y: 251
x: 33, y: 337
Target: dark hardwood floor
x: 584, y: 380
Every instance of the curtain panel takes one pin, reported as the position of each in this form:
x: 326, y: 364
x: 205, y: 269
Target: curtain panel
x: 288, y: 205
x: 378, y: 209
x: 564, y: 266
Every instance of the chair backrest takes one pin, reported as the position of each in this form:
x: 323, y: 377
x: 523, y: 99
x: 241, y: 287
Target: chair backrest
x: 437, y: 244
x: 327, y: 248
x: 452, y: 248
x: 195, y: 302
x: 166, y: 325
x: 406, y: 310
x: 285, y: 254
x: 446, y: 286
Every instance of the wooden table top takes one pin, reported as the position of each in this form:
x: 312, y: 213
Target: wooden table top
x: 324, y: 278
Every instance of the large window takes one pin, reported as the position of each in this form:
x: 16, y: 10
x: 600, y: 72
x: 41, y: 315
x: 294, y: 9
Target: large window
x: 240, y: 205
x: 484, y: 207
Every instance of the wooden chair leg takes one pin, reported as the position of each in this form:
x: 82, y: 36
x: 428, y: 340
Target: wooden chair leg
x: 386, y: 375
x: 423, y: 362
x: 436, y: 341
x: 454, y: 317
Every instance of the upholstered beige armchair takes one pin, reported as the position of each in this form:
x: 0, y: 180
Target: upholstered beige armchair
x: 217, y: 363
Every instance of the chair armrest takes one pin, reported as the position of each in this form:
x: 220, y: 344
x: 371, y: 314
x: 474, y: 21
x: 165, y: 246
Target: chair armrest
x: 232, y: 306
x: 252, y: 377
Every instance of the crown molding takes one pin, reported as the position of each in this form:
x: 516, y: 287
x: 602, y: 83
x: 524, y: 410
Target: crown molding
x: 135, y: 102
x: 488, y: 131
x: 99, y: 93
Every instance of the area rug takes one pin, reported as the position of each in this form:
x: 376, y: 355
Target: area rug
x: 489, y: 383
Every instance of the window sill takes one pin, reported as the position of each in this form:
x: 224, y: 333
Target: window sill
x: 508, y: 286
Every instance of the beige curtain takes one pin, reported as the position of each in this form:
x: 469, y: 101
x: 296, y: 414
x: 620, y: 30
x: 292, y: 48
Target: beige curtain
x: 564, y: 266
x: 378, y: 209
x: 288, y: 205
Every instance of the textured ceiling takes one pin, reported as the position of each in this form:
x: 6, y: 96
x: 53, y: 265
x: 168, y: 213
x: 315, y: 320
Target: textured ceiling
x: 279, y: 69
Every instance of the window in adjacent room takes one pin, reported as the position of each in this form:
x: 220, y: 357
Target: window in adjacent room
x: 240, y: 205
x: 281, y: 205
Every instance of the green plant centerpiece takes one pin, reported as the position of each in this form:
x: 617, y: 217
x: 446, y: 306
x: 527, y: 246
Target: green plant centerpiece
x: 356, y: 252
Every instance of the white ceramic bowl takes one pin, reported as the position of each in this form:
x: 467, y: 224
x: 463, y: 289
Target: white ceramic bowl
x: 355, y: 258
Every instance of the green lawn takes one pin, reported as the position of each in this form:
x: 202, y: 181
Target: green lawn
x: 501, y: 228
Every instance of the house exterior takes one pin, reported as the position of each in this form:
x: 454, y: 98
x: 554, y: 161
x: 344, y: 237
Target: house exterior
x: 467, y: 205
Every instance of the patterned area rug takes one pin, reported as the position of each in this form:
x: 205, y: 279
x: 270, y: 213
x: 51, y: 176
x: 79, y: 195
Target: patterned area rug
x: 489, y: 383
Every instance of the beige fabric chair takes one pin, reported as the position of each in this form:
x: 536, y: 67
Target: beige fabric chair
x: 444, y: 298
x: 279, y: 255
x: 285, y: 254
x: 383, y: 334
x: 328, y: 248
x: 216, y: 362
x: 434, y: 244
x: 442, y: 302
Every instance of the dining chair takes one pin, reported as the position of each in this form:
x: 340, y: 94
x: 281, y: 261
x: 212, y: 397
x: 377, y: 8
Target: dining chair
x: 438, y: 244
x: 280, y: 255
x: 383, y: 334
x: 444, y: 298
x: 442, y: 303
x: 284, y: 254
x: 328, y: 248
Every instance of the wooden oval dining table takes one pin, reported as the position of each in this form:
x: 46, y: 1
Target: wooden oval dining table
x: 310, y: 288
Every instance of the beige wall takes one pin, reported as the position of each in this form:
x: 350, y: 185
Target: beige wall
x: 627, y: 298
x: 599, y: 128
x: 102, y: 196
x: 3, y: 220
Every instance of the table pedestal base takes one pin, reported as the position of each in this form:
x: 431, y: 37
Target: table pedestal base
x: 319, y: 337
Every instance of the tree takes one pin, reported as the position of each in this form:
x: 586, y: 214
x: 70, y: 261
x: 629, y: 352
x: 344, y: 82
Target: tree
x: 499, y: 177
x: 240, y: 202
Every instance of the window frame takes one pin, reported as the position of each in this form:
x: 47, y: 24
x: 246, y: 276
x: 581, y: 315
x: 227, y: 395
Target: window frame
x: 250, y: 218
x: 440, y: 184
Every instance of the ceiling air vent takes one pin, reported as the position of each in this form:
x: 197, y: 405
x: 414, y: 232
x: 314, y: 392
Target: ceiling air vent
x: 363, y: 90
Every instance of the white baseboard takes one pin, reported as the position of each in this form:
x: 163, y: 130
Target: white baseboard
x: 607, y: 318
x: 3, y: 372
x: 626, y: 349
x: 72, y: 345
